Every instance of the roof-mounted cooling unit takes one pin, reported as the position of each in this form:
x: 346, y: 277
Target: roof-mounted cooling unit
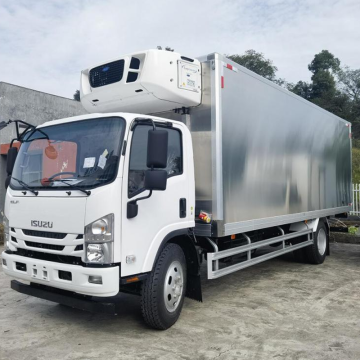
x: 146, y: 82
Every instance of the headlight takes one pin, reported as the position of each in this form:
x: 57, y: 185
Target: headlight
x: 6, y: 232
x: 99, y: 241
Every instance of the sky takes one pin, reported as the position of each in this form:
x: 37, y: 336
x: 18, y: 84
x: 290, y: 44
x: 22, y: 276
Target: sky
x: 44, y: 44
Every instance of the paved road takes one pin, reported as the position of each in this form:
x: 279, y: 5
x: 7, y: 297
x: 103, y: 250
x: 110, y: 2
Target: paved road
x: 277, y: 310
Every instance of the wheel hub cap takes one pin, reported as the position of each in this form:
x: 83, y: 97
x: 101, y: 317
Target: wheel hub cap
x: 173, y: 287
x: 321, y: 241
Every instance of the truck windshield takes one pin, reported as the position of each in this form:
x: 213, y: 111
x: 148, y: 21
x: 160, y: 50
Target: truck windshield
x: 83, y: 153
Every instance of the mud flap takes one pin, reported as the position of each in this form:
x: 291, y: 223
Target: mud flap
x: 193, y: 290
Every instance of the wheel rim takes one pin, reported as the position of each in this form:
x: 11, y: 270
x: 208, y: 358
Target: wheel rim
x: 321, y: 241
x: 173, y: 287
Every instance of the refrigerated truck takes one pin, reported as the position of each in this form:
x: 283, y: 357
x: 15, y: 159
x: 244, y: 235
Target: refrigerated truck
x: 179, y: 161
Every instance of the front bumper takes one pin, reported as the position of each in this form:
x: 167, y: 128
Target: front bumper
x: 67, y: 298
x: 47, y: 273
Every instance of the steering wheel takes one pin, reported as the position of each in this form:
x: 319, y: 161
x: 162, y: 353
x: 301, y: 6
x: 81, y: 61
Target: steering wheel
x: 51, y: 178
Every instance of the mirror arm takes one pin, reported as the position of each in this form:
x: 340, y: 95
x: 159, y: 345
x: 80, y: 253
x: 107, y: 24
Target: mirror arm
x: 132, y: 206
x: 141, y: 198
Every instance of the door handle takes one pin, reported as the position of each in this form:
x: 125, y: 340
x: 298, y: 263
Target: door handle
x: 182, y: 205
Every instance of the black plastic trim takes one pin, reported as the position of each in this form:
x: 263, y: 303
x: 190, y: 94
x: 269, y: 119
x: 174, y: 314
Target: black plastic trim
x: 101, y: 265
x: 187, y: 59
x: 148, y: 121
x: 67, y: 298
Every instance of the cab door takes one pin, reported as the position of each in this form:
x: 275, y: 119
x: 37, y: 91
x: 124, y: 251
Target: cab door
x: 164, y: 211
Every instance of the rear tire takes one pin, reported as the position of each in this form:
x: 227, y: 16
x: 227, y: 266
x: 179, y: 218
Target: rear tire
x: 316, y: 253
x: 164, y: 291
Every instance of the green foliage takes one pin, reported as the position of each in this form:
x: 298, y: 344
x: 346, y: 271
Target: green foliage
x: 323, y: 85
x: 356, y: 165
x: 302, y: 89
x: 76, y: 95
x: 324, y: 61
x: 333, y: 88
x: 349, y: 81
x: 352, y: 230
x: 257, y: 63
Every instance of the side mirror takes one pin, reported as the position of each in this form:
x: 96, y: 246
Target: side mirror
x: 11, y: 157
x: 157, y: 149
x: 157, y: 153
x: 155, y: 180
x: 132, y: 209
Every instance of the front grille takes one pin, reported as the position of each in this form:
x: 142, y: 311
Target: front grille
x: 44, y: 246
x: 106, y: 74
x: 65, y: 259
x: 79, y: 248
x: 44, y: 234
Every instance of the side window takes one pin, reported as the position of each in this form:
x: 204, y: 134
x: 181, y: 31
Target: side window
x: 138, y: 154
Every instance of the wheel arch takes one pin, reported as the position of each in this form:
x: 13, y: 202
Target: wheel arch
x: 183, y: 239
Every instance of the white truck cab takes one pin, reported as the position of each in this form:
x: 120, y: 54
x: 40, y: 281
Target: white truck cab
x: 179, y: 161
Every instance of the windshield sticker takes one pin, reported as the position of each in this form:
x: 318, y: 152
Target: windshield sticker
x: 89, y: 162
x: 102, y: 161
x: 105, y: 152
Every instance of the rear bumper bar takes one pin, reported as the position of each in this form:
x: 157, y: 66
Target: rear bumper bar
x: 67, y: 298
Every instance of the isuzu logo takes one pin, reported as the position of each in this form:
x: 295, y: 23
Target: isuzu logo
x: 42, y: 224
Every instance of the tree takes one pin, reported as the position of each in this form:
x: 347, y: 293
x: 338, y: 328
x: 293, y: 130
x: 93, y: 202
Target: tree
x: 349, y: 86
x: 324, y: 61
x: 302, y: 88
x: 76, y: 95
x: 323, y: 67
x: 257, y: 63
x: 322, y: 90
x: 349, y: 82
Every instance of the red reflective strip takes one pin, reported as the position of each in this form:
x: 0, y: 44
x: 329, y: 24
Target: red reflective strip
x: 229, y: 66
x: 222, y: 82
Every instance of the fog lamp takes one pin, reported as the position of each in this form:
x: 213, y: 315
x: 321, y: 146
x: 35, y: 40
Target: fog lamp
x: 95, y: 279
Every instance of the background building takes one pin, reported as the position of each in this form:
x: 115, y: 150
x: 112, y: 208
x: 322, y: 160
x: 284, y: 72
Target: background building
x: 34, y: 107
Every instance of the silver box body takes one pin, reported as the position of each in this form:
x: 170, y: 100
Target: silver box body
x: 264, y: 156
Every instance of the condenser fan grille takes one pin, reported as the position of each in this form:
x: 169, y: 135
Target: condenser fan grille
x: 106, y: 74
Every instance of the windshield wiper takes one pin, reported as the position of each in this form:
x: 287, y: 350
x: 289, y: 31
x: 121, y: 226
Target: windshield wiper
x: 87, y: 192
x: 26, y: 186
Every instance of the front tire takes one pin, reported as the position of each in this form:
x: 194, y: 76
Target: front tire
x: 164, y: 291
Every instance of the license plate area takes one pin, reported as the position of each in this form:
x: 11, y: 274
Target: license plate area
x: 40, y: 273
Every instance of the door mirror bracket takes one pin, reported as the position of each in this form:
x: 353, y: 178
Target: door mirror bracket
x: 132, y: 206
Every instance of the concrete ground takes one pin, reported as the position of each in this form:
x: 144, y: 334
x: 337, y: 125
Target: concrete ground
x: 276, y: 310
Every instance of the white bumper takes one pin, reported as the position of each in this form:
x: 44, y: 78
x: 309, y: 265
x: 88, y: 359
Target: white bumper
x: 47, y: 273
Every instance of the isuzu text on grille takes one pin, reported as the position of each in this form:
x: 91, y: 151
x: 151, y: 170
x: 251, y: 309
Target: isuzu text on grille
x: 43, y: 224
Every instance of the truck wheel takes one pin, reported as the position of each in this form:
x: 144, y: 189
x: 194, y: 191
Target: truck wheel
x: 164, y: 291
x: 316, y: 253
